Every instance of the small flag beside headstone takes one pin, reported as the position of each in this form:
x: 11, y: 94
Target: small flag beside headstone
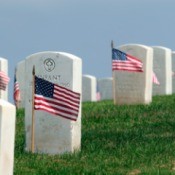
x: 16, y: 93
x: 155, y: 79
x: 56, y: 99
x: 162, y: 66
x: 132, y: 71
x: 4, y: 80
x: 19, y: 98
x: 125, y: 62
x: 46, y: 132
x: 98, y: 94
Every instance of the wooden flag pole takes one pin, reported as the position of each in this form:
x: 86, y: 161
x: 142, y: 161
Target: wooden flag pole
x: 113, y: 80
x: 33, y: 117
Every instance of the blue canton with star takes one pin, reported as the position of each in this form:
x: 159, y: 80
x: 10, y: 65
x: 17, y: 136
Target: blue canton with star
x: 118, y: 55
x: 44, y: 87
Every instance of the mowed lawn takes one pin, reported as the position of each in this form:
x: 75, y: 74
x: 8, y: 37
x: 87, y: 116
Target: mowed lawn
x: 126, y: 140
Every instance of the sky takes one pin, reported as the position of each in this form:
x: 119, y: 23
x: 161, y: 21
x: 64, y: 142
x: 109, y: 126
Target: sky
x: 83, y: 28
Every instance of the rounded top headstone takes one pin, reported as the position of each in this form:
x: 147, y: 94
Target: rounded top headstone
x: 106, y: 78
x: 3, y: 59
x: 135, y: 45
x: 161, y: 48
x: 71, y: 56
x: 89, y: 76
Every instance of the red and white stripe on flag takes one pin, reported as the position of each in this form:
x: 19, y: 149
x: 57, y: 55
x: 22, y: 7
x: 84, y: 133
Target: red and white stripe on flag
x: 4, y: 80
x: 16, y: 92
x: 125, y: 62
x: 56, y: 99
x: 98, y: 96
x: 155, y: 79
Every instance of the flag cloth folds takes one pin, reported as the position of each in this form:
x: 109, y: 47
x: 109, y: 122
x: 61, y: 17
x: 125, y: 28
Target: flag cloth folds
x: 125, y: 62
x: 56, y: 99
x: 4, y: 80
x: 16, y: 94
x: 98, y: 94
x: 155, y: 79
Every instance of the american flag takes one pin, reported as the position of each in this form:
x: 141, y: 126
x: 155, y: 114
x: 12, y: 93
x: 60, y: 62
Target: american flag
x: 155, y: 79
x: 16, y: 94
x: 98, y: 94
x: 56, y: 99
x: 125, y: 62
x: 4, y: 79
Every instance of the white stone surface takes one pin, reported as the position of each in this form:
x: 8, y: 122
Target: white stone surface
x: 173, y: 72
x: 162, y: 66
x: 89, y: 87
x: 53, y: 134
x: 105, y: 88
x: 7, y: 137
x: 20, y: 76
x: 4, y: 68
x: 134, y: 87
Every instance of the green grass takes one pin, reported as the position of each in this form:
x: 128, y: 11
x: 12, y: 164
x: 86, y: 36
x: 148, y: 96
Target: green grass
x: 119, y: 140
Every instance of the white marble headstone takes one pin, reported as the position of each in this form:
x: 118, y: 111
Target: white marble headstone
x: 173, y: 72
x: 4, y: 68
x: 20, y: 76
x: 89, y: 88
x: 134, y: 87
x: 7, y: 137
x: 162, y: 67
x: 53, y: 134
x: 105, y: 88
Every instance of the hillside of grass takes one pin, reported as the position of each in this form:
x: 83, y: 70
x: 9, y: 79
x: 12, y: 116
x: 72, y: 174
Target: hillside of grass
x: 119, y: 140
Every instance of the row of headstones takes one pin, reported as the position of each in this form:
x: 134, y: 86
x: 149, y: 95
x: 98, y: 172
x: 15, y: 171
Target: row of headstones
x: 55, y: 135
x: 162, y: 67
x: 137, y: 88
x: 7, y: 127
x: 99, y: 89
x: 96, y: 90
x: 161, y: 58
x: 65, y: 69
